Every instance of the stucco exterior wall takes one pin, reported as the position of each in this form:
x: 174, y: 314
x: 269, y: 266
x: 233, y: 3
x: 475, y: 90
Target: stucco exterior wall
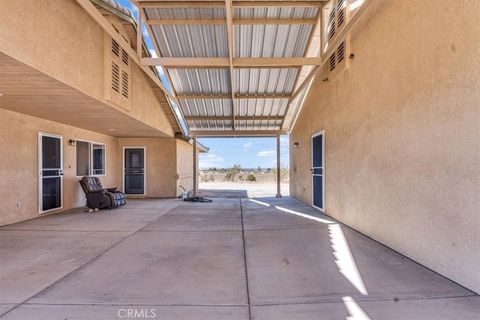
x: 161, y: 164
x: 60, y: 39
x: 184, y: 166
x: 19, y: 164
x: 402, y: 129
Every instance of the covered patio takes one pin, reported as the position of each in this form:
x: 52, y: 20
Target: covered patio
x: 236, y: 258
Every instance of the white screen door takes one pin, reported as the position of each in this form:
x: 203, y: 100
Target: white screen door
x: 50, y: 158
x: 318, y: 170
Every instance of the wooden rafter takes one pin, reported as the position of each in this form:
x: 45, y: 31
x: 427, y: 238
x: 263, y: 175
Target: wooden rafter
x: 237, y: 133
x: 221, y: 4
x: 184, y: 22
x: 318, y: 20
x: 231, y: 62
x: 229, y: 17
x: 237, y: 96
x: 213, y: 118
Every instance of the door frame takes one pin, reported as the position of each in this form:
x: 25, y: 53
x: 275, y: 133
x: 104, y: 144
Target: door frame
x: 316, y: 134
x: 40, y: 167
x: 144, y: 169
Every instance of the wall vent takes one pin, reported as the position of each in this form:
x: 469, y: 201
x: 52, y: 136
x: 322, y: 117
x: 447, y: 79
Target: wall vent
x: 115, y: 77
x: 341, y: 52
x: 341, y: 8
x: 115, y: 48
x: 117, y: 81
x: 332, y: 62
x: 331, y: 28
x: 125, y: 57
x: 125, y: 84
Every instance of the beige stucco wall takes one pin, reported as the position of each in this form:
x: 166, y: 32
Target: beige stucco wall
x: 19, y: 164
x: 184, y: 166
x: 402, y: 129
x: 60, y: 39
x: 161, y: 174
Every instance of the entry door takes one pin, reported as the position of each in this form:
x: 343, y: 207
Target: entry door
x: 134, y: 172
x: 50, y: 151
x: 318, y: 170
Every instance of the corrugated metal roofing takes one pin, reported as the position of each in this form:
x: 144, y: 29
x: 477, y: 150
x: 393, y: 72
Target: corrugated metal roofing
x: 250, y: 41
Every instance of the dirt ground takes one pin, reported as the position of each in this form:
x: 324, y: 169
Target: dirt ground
x: 252, y: 189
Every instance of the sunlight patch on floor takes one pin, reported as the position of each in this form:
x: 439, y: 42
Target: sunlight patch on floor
x: 356, y: 313
x: 303, y: 215
x: 344, y: 259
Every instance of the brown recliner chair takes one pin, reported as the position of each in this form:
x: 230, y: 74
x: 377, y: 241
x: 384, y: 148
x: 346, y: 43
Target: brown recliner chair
x: 100, y: 198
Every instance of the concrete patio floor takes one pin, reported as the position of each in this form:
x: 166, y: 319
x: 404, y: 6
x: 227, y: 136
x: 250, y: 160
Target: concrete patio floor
x: 263, y: 258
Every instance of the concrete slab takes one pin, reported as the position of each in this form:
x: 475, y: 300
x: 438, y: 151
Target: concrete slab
x: 89, y: 312
x: 304, y: 260
x: 151, y: 203
x: 32, y: 260
x: 265, y: 202
x: 467, y: 308
x: 104, y: 220
x: 231, y: 204
x: 4, y: 307
x: 282, y: 218
x: 186, y: 261
x: 204, y: 220
x: 165, y: 268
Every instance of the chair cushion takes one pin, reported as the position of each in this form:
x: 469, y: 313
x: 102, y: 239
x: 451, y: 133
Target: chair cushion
x: 91, y: 184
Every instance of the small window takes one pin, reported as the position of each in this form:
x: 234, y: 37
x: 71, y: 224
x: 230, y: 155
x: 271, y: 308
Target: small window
x: 98, y: 159
x: 90, y: 158
x: 83, y: 158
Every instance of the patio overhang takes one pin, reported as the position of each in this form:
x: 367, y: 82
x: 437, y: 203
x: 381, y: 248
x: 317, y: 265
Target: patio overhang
x: 238, y: 68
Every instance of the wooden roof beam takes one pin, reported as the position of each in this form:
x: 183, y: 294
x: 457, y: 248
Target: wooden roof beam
x: 237, y: 133
x: 237, y: 96
x: 221, y: 4
x: 229, y: 17
x: 231, y: 62
x: 244, y: 118
x: 184, y: 22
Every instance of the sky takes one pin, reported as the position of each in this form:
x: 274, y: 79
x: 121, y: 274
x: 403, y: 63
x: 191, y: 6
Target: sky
x: 247, y: 152
x: 226, y: 152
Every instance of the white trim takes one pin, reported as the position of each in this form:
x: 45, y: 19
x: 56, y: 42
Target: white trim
x: 40, y: 167
x: 90, y: 150
x: 322, y: 133
x: 144, y: 170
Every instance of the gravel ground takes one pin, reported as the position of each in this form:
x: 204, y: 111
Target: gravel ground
x: 251, y: 189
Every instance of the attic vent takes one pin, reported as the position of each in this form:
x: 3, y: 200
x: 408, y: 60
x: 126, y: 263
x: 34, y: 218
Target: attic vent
x: 341, y: 52
x: 331, y: 24
x: 115, y: 77
x: 125, y: 84
x: 341, y: 5
x: 115, y: 48
x: 125, y: 57
x: 332, y: 63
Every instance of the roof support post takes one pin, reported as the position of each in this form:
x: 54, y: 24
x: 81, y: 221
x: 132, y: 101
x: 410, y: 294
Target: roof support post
x: 195, y: 166
x: 279, y: 194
